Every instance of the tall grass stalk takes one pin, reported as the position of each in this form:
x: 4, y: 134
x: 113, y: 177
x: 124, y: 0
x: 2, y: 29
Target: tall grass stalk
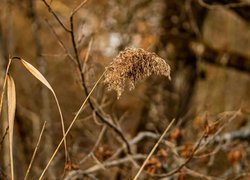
x: 4, y: 85
x: 71, y: 125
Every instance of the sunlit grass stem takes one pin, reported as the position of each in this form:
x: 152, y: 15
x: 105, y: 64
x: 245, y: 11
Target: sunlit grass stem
x: 71, y: 125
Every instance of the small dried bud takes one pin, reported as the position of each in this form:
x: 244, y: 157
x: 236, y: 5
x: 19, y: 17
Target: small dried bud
x: 132, y: 65
x: 234, y: 156
x: 175, y: 134
x: 152, y: 165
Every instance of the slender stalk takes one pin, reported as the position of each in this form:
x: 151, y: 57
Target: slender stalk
x: 83, y: 83
x: 45, y: 100
x: 70, y: 30
x: 34, y: 153
x: 4, y: 84
x: 71, y: 125
x: 57, y: 18
x: 78, y: 7
x: 153, y: 149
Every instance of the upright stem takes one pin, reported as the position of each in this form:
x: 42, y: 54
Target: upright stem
x: 71, y: 125
x: 153, y: 150
x: 45, y: 110
x: 4, y: 85
x: 70, y: 30
x: 83, y: 83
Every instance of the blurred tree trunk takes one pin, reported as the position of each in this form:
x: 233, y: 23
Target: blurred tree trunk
x: 189, y: 50
x: 179, y: 30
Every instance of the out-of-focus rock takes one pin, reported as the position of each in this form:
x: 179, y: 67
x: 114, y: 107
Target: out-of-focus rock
x: 222, y: 90
x: 226, y: 31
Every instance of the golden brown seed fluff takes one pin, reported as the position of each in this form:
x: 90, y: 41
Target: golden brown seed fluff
x: 132, y: 65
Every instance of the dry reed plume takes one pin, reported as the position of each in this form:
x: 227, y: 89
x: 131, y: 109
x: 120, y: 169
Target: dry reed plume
x: 132, y: 65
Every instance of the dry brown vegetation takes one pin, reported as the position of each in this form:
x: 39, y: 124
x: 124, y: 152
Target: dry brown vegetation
x: 125, y: 89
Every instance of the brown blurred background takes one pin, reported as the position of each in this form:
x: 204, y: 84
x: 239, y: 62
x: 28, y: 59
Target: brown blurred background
x: 206, y: 43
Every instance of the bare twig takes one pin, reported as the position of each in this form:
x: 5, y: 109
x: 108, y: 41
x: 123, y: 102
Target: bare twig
x: 153, y: 149
x: 34, y: 153
x: 87, y: 55
x: 139, y: 137
x: 212, y: 138
x: 78, y: 7
x: 3, y: 137
x: 199, y: 175
x: 186, y: 162
x: 242, y: 134
x: 97, y: 161
x: 240, y: 176
x: 57, y: 18
x: 96, y: 144
x: 114, y: 163
x: 104, y: 119
x: 61, y: 43
x: 81, y: 173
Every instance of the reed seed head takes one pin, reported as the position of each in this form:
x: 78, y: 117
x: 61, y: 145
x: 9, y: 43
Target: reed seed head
x: 132, y: 65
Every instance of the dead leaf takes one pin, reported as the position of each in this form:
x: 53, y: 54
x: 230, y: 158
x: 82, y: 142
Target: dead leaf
x: 11, y: 99
x: 42, y: 79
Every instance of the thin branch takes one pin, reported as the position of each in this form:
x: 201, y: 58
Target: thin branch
x: 78, y: 7
x: 242, y: 134
x: 55, y: 15
x: 87, y: 55
x: 96, y: 145
x: 99, y: 115
x: 114, y: 163
x: 241, y: 176
x: 60, y: 42
x: 186, y: 162
x: 79, y: 174
x: 209, y: 140
x: 199, y: 175
x: 105, y: 120
x: 97, y: 161
x: 3, y: 137
x: 139, y: 137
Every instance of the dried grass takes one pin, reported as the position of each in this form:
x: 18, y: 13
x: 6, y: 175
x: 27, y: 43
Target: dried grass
x: 132, y: 65
x: 11, y: 97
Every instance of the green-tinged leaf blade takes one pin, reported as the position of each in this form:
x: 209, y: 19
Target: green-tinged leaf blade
x: 11, y: 99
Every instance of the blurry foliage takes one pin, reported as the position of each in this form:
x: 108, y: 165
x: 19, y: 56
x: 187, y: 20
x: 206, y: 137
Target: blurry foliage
x: 207, y: 46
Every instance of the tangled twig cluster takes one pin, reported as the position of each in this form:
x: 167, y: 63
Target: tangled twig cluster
x: 132, y: 65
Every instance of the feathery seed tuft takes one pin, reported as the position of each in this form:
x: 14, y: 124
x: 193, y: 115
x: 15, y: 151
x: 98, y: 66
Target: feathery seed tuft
x: 132, y: 65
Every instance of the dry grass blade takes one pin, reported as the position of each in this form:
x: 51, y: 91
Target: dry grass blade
x: 11, y: 99
x: 71, y: 124
x: 153, y: 149
x: 34, y: 153
x: 138, y: 64
x: 4, y: 85
x: 37, y: 74
x: 41, y: 78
